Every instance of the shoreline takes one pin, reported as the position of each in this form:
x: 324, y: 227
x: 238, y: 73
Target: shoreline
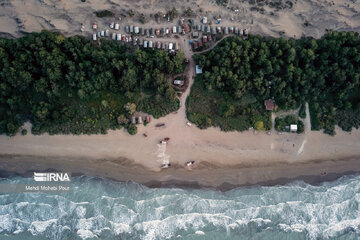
x: 222, y: 178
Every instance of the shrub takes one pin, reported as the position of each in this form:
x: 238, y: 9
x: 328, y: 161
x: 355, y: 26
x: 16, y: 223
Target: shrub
x: 104, y: 13
x: 23, y: 132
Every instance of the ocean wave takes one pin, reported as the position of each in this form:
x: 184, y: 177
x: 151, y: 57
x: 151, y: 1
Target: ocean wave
x: 103, y: 209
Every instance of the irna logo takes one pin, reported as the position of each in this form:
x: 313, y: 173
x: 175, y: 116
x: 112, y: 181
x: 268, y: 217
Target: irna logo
x: 51, y: 177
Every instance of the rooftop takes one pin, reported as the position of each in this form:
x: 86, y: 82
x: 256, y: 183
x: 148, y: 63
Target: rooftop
x: 269, y: 104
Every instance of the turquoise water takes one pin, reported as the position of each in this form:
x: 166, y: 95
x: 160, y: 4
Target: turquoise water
x: 103, y: 209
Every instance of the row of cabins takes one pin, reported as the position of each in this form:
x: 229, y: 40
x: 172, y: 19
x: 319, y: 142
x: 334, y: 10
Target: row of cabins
x: 219, y: 30
x: 151, y: 31
x: 140, y: 119
x: 136, y: 41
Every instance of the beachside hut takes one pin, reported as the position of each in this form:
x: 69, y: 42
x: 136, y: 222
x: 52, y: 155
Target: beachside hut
x: 195, y: 34
x: 94, y: 26
x: 186, y: 28
x: 176, y: 45
x: 174, y: 29
x: 136, y: 30
x: 226, y: 30
x: 150, y: 44
x: 236, y: 30
x: 102, y: 33
x: 208, y: 29
x: 151, y: 31
x: 219, y: 29
x: 118, y: 36
x: 131, y: 29
x: 269, y: 104
x: 293, y: 128
x: 198, y: 27
x: 192, y: 22
x: 127, y: 28
x: 94, y: 37
x: 133, y: 120
x: 204, y: 20
x: 163, y: 45
x: 139, y: 120
x: 145, y: 44
x: 112, y: 25
x: 147, y: 119
x: 204, y: 39
x: 231, y: 29
x: 178, y: 29
x: 198, y: 69
x: 170, y: 46
x: 113, y: 36
x: 241, y: 32
x: 141, y: 31
x: 210, y: 38
x: 146, y: 32
x: 158, y: 45
x: 213, y: 30
x: 117, y: 26
x: 99, y: 34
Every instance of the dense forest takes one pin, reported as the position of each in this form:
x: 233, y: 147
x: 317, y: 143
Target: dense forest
x: 240, y: 74
x: 72, y: 85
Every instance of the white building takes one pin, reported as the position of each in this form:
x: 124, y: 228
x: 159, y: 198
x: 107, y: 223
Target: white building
x: 117, y: 26
x: 118, y: 36
x: 198, y: 70
x: 293, y: 128
x: 174, y: 29
x: 204, y: 20
x: 94, y: 37
x: 170, y: 46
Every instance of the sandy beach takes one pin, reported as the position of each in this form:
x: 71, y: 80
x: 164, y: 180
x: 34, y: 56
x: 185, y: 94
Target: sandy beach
x: 221, y: 157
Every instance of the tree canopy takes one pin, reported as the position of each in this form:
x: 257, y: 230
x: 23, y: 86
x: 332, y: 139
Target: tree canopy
x: 72, y: 85
x: 324, y: 72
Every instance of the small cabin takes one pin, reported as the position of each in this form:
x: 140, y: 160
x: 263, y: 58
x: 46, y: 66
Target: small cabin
x: 140, y: 120
x: 94, y: 37
x: 269, y: 104
x: 293, y: 128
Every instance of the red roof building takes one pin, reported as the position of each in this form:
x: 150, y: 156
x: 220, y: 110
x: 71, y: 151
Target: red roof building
x: 269, y: 104
x: 186, y: 28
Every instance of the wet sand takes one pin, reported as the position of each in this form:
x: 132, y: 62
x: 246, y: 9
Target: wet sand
x: 205, y: 175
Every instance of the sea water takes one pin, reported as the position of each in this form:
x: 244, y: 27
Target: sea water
x: 103, y: 209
